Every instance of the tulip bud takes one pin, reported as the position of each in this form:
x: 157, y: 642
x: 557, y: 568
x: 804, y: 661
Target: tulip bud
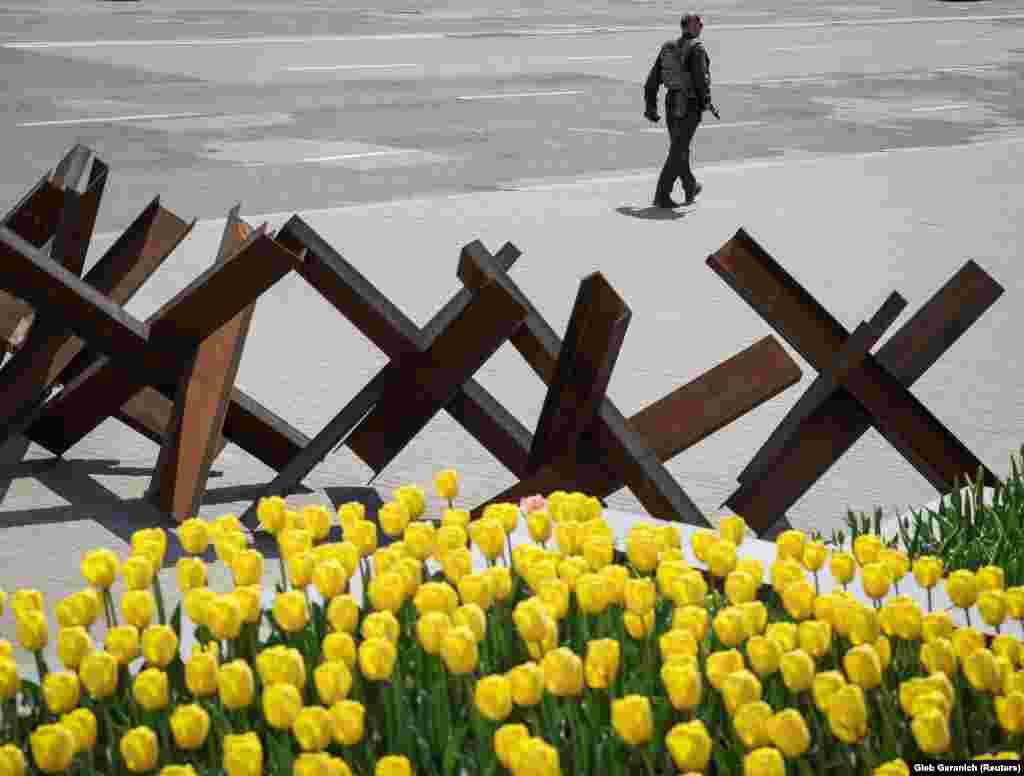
x: 863, y: 666
x: 377, y: 658
x: 290, y: 611
x: 962, y: 588
x: 765, y: 761
x: 151, y: 689
x: 493, y: 697
x: 740, y: 587
x: 340, y: 647
x: 733, y: 528
x: 312, y: 728
x: 281, y: 705
x: 683, y: 684
x: 140, y: 749
x: 12, y: 761
x: 814, y: 555
x: 751, y: 723
x: 459, y: 650
x: 642, y: 548
x: 347, y: 720
x: 73, y: 644
x: 992, y: 605
x: 690, y: 746
x: 527, y: 681
x: 789, y: 545
x: 190, y: 725
x: 83, y: 726
x: 931, y: 732
x: 201, y: 673
x: 53, y: 747
x: 825, y: 686
x: 721, y: 664
x: 721, y: 558
x: 632, y: 719
x: 31, y: 629
x: 1010, y: 712
x: 814, y: 637
x: 847, y: 714
x: 506, y: 739
x: 243, y: 755
x: 99, y: 567
x: 764, y: 654
x: 843, y: 567
x: 729, y: 626
x: 61, y: 690
x: 236, y: 685
x: 333, y: 681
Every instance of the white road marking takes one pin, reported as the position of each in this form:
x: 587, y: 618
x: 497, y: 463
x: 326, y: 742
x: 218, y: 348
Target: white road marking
x: 598, y: 130
x: 601, y: 58
x: 339, y: 157
x: 319, y: 68
x: 867, y: 22
x: 519, y: 94
x: 804, y: 47
x: 936, y: 108
x: 108, y: 119
x: 639, y: 175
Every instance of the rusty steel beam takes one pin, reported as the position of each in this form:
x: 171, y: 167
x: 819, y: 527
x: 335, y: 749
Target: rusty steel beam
x: 193, y: 437
x: 880, y: 381
x: 128, y: 263
x: 593, y: 340
x: 165, y: 342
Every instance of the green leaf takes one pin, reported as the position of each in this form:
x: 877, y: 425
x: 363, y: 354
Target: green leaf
x: 453, y: 751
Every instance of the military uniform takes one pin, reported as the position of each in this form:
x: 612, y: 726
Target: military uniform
x: 683, y: 67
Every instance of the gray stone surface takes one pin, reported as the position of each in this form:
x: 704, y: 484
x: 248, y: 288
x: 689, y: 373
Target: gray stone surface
x: 867, y: 157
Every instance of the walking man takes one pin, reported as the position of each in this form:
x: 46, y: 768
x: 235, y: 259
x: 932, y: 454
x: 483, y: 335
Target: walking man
x: 684, y: 67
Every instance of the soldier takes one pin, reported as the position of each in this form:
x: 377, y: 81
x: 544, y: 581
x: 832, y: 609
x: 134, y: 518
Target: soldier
x: 684, y: 67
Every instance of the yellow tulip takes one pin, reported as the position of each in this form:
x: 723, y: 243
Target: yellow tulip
x: 863, y: 666
x: 140, y: 749
x: 190, y: 726
x: 527, y: 680
x: 123, y: 643
x: 281, y: 664
x: 797, y: 668
x: 555, y: 593
x: 137, y: 572
x: 814, y: 555
x: 694, y: 619
x: 825, y: 686
x: 347, y: 722
x: 1009, y: 647
x: 966, y: 641
x: 897, y: 767
x: 928, y: 571
x: 764, y: 655
x: 83, y: 726
x: 539, y: 525
x: 243, y: 755
x: 100, y: 567
x: 755, y: 617
x: 733, y: 528
x: 690, y: 746
x: 493, y: 697
x: 729, y: 626
x: 393, y: 765
x: 751, y: 725
x: 598, y: 551
x: 201, y: 673
x: 507, y: 739
x: 387, y: 592
x: 53, y: 747
x: 333, y: 681
x: 962, y: 588
x: 456, y: 564
x: 982, y: 671
x: 721, y: 664
x: 236, y: 685
x: 194, y: 535
x: 843, y: 566
x: 642, y: 549
x: 990, y: 578
x: 740, y: 587
x: 931, y: 731
x: 788, y: 732
x: 847, y: 714
x: 281, y: 705
x: 814, y: 637
x: 689, y: 589
x: 446, y: 482
x: 31, y: 629
x: 785, y: 572
x: 569, y: 537
x: 785, y: 634
x: 138, y: 607
x: 224, y: 617
x: 592, y: 593
x: 61, y: 690
x: 877, y: 579
x: 639, y: 626
x: 937, y: 625
x: 377, y: 658
x: 632, y: 719
x: 602, y: 663
x: 1010, y: 712
x: 765, y: 761
x: 790, y: 545
x: 992, y: 605
x: 938, y: 655
x: 563, y: 672
x: 381, y: 625
x: 867, y: 548
x: 73, y: 644
x: 753, y: 567
x: 740, y: 687
x: 798, y: 598
x: 863, y: 625
x: 721, y: 558
x: 12, y: 761
x: 151, y: 689
x: 99, y: 674
x: 312, y: 728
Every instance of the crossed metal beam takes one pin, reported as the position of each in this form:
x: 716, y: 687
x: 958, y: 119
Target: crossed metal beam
x: 598, y: 450
x: 855, y: 389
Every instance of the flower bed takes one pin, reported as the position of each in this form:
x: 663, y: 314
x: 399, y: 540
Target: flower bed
x: 559, y: 655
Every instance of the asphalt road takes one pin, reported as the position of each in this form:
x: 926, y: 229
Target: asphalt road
x: 300, y: 106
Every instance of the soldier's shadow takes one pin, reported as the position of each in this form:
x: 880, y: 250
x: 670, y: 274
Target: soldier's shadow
x: 651, y: 213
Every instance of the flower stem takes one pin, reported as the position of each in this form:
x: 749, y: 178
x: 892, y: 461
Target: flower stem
x: 158, y: 594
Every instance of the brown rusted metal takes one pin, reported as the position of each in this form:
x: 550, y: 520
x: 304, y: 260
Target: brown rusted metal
x: 152, y: 353
x: 593, y: 339
x: 874, y: 390
x: 51, y: 347
x: 193, y: 437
